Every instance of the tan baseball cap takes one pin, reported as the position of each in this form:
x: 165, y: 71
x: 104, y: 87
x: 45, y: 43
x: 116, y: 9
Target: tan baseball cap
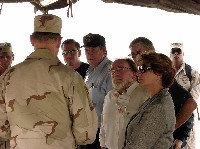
x: 177, y: 45
x: 5, y: 49
x: 47, y: 23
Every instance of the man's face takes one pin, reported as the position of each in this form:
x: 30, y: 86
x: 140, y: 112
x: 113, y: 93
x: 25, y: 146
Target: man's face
x: 5, y: 62
x: 95, y: 55
x: 122, y: 75
x: 137, y: 50
x: 70, y: 54
x: 176, y: 55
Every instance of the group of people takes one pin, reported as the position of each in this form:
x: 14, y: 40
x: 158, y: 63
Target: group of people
x: 143, y: 102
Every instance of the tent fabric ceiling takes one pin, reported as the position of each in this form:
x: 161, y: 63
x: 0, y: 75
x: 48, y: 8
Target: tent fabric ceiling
x: 179, y: 6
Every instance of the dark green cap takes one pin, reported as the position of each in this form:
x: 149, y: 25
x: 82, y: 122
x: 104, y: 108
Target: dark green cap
x: 93, y: 40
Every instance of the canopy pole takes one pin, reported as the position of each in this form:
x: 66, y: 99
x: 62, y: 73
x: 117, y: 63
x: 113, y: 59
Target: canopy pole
x: 1, y: 7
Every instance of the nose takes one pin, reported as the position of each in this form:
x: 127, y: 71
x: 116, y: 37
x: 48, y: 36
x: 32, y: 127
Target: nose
x: 138, y: 73
x: 115, y: 73
x: 176, y: 53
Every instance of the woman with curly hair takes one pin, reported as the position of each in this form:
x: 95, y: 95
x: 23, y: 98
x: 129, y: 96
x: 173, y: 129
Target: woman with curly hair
x: 153, y: 125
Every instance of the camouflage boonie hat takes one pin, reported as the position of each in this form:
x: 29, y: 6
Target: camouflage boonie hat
x: 93, y: 40
x: 5, y: 49
x: 47, y: 23
x: 177, y: 45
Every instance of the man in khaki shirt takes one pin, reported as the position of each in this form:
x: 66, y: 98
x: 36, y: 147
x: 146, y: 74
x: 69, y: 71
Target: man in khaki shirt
x: 43, y: 103
x: 6, y: 59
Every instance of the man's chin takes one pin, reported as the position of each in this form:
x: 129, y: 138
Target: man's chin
x: 118, y: 86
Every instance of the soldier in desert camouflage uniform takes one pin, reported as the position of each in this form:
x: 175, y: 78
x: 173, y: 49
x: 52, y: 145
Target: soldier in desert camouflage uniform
x: 6, y: 58
x: 43, y: 103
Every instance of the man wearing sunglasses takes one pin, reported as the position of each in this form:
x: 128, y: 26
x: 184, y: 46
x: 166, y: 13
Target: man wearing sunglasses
x: 71, y: 53
x: 183, y: 101
x: 186, y: 76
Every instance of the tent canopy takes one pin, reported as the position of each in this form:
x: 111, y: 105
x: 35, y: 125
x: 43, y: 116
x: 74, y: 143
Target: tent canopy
x: 179, y: 6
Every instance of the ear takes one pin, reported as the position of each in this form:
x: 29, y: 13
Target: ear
x: 31, y: 40
x: 104, y: 51
x: 79, y: 53
x: 59, y: 42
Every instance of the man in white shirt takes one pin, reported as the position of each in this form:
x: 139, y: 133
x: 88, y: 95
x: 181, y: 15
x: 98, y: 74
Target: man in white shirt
x: 120, y: 104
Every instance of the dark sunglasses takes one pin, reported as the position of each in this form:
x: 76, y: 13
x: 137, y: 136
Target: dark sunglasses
x: 176, y: 50
x: 144, y: 68
x: 72, y: 51
x: 133, y: 55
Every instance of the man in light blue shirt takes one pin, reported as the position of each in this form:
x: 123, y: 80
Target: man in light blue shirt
x: 98, y: 78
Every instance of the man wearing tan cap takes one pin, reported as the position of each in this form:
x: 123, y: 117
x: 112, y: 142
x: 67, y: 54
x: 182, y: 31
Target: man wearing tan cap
x: 43, y: 103
x: 189, y: 78
x: 6, y: 58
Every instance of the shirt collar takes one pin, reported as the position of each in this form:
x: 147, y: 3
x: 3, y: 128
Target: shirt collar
x: 100, y: 66
x: 131, y: 88
x: 43, y: 54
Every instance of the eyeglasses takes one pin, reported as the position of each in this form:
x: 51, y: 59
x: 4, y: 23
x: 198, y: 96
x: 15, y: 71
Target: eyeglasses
x: 72, y: 51
x: 144, y: 68
x: 134, y: 54
x: 118, y: 69
x: 176, y: 50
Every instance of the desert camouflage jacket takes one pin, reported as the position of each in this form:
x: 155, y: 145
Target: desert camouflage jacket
x: 45, y: 105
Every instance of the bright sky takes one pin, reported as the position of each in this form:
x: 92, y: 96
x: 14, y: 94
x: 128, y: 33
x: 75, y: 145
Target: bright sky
x: 118, y: 23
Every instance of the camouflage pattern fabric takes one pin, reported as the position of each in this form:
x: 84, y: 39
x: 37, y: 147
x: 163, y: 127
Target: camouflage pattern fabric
x: 4, y: 143
x: 45, y: 105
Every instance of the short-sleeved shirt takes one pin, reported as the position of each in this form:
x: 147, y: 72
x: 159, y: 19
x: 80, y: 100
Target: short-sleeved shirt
x: 99, y: 83
x: 194, y: 85
x: 179, y: 96
x: 82, y: 69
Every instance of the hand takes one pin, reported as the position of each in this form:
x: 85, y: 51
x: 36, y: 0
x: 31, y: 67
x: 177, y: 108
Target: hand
x: 177, y: 144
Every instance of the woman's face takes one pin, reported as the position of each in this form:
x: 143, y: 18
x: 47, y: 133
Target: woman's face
x: 147, y: 78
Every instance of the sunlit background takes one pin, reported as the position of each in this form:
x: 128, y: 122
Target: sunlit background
x: 118, y: 23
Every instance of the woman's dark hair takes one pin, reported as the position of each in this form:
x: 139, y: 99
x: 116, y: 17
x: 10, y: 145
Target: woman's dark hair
x: 160, y: 64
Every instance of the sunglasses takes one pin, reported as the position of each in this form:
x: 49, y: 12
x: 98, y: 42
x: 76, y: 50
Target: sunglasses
x: 144, y: 68
x: 133, y: 55
x: 118, y: 69
x: 72, y: 51
x: 176, y: 50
